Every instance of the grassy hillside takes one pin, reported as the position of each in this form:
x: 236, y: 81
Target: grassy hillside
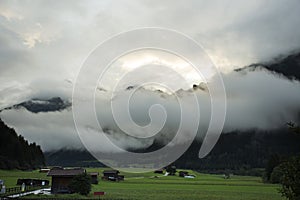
x: 146, y: 186
x: 10, y: 177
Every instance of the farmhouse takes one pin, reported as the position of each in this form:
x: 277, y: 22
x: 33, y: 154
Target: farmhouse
x: 112, y: 175
x: 61, y: 178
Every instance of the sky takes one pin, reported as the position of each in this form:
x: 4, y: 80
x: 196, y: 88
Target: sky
x: 43, y: 45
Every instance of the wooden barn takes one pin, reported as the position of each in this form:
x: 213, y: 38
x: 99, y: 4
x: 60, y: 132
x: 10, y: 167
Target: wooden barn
x: 112, y: 175
x: 61, y: 178
x: 94, y: 177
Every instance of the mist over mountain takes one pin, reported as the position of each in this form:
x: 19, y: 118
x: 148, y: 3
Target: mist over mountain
x: 243, y: 144
x: 288, y: 66
x: 236, y: 151
x: 67, y: 158
x: 266, y: 105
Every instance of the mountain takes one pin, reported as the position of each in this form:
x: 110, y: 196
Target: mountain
x: 235, y: 151
x: 16, y: 152
x: 42, y: 105
x: 242, y: 149
x: 67, y: 158
x: 288, y: 66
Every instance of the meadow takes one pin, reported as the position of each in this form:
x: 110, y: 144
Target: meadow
x: 156, y: 186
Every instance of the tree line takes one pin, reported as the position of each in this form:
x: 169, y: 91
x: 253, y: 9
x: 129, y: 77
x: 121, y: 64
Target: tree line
x: 16, y: 152
x: 242, y: 152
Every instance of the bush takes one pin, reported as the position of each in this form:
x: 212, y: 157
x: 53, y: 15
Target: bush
x: 81, y: 184
x: 276, y: 175
x: 273, y: 162
x: 171, y: 170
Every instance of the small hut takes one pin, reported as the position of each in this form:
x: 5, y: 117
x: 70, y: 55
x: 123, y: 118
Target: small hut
x: 112, y: 175
x: 183, y: 173
x: 94, y: 177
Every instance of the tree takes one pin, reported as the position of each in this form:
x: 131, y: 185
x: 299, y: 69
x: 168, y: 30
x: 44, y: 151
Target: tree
x: 291, y: 178
x: 81, y: 184
x: 273, y: 162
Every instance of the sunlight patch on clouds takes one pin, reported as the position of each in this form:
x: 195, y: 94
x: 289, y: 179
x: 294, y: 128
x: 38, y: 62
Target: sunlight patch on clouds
x: 140, y: 61
x: 37, y: 35
x: 144, y: 58
x: 9, y: 14
x: 30, y: 39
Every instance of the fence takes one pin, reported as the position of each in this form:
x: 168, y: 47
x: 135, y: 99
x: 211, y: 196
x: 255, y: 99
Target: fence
x: 18, y: 190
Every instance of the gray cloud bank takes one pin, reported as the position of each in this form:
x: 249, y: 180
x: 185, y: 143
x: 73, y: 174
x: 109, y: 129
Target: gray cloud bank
x: 254, y: 100
x: 43, y: 45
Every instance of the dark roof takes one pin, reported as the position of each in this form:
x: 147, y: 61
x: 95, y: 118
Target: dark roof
x: 65, y: 172
x: 94, y: 173
x: 111, y: 172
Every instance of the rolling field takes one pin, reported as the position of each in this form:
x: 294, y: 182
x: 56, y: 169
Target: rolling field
x: 147, y: 186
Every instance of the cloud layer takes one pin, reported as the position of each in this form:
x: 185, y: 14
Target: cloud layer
x: 44, y: 44
x: 254, y: 100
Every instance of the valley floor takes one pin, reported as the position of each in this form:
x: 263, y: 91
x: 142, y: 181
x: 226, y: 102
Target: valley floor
x: 156, y: 186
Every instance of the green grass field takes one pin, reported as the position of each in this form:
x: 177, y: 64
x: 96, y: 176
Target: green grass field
x: 145, y: 186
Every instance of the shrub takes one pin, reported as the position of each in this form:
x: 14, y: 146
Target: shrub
x: 273, y: 162
x: 276, y: 175
x: 81, y: 184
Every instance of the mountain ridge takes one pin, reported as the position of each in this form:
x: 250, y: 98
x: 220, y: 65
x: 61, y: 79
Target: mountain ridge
x: 37, y: 105
x: 288, y: 66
